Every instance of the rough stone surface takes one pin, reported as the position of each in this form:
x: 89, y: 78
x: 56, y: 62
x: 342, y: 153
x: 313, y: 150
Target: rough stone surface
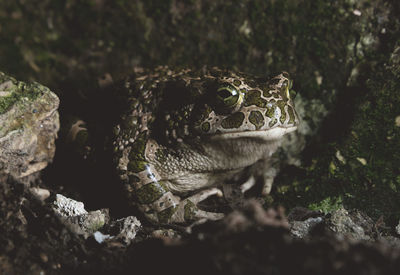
x: 353, y: 224
x: 398, y: 229
x: 302, y: 229
x: 125, y: 229
x: 74, y: 215
x: 28, y: 127
x: 40, y: 193
x: 67, y: 207
x: 341, y: 222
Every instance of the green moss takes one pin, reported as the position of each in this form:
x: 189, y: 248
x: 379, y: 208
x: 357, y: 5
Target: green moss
x: 327, y: 205
x: 96, y: 226
x: 6, y: 102
x: 18, y: 92
x: 368, y: 179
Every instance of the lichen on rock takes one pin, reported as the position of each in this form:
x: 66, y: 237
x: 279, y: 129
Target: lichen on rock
x: 29, y: 123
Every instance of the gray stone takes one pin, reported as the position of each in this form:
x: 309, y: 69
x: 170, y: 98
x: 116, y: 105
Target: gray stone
x: 302, y: 229
x: 66, y: 207
x: 76, y: 218
x: 398, y: 229
x: 127, y: 229
x: 343, y: 223
x: 40, y: 193
x: 29, y: 124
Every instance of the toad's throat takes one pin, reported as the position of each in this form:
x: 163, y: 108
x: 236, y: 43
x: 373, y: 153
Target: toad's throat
x: 270, y: 134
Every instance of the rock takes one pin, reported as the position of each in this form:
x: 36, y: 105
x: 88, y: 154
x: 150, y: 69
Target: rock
x: 398, y: 229
x: 125, y: 229
x: 342, y: 222
x: 352, y: 224
x: 302, y: 229
x: 303, y: 221
x: 66, y: 207
x: 40, y: 193
x: 78, y: 220
x: 93, y: 221
x: 100, y: 237
x: 29, y: 123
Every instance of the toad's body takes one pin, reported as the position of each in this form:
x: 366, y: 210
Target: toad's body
x: 187, y: 131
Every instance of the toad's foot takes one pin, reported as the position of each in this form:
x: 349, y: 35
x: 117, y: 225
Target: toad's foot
x: 248, y: 184
x: 188, y: 210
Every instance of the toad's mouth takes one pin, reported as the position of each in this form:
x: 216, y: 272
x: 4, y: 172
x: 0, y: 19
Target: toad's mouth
x: 270, y: 134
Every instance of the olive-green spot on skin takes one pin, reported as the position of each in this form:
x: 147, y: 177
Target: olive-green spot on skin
x: 150, y: 192
x: 205, y: 127
x: 137, y: 159
x: 270, y: 111
x: 165, y: 215
x: 291, y: 115
x: 137, y: 166
x: 138, y: 148
x: 281, y: 105
x: 267, y: 93
x: 283, y: 116
x: 233, y: 121
x: 257, y: 119
x: 190, y: 210
x: 275, y: 95
x: 237, y: 82
x: 253, y: 97
x: 272, y: 122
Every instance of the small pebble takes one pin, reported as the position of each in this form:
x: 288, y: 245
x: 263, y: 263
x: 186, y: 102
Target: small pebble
x: 40, y: 193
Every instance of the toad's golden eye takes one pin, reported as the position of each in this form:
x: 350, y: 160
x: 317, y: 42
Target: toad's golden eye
x: 228, y: 95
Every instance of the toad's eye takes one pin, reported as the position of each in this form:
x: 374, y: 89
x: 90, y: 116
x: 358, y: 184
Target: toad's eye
x: 228, y: 96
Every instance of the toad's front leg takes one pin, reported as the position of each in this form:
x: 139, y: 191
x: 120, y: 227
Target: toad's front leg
x: 161, y: 206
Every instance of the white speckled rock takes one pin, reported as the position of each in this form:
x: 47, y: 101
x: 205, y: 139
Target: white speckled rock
x: 76, y: 218
x: 29, y: 123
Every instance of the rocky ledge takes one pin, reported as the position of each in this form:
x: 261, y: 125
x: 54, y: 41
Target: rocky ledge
x: 29, y: 123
